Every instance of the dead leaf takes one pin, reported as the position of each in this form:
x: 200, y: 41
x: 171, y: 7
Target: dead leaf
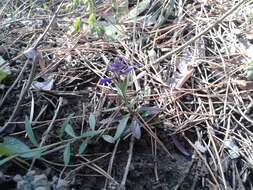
x: 136, y: 128
x: 42, y: 62
x: 233, y: 149
x: 183, y: 73
x: 31, y: 53
x: 200, y: 147
x: 47, y: 84
x: 140, y: 8
x: 243, y: 84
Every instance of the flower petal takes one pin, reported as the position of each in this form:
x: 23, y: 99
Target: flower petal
x: 106, y: 80
x: 127, y: 70
x: 117, y: 65
x: 113, y: 68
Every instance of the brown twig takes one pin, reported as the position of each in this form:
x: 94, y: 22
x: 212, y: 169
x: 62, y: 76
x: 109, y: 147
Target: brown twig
x: 46, y: 133
x: 130, y: 155
x: 23, y: 92
x: 14, y: 83
x: 36, y: 44
x: 109, y: 170
x: 230, y: 11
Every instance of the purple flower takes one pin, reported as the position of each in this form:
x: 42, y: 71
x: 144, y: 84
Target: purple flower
x: 118, y: 65
x: 127, y: 70
x: 106, y: 80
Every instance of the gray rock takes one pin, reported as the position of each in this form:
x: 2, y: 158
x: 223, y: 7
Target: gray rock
x: 62, y: 185
x: 24, y: 185
x: 17, y: 178
x: 41, y: 188
x: 31, y: 181
x: 1, y: 175
x: 30, y: 175
x: 40, y: 180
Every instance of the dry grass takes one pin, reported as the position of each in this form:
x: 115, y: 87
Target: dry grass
x: 187, y: 66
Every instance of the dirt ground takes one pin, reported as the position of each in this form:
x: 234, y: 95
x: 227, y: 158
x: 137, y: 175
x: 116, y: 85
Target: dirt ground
x: 188, y: 96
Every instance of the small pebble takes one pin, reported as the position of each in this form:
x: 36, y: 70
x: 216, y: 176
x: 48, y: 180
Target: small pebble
x: 62, y: 185
x: 40, y: 180
x: 17, y: 178
x: 41, y: 188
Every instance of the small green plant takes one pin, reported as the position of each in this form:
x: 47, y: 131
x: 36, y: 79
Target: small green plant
x: 30, y: 133
x: 12, y: 147
x: 128, y: 121
x: 83, y: 138
x: 77, y: 24
x: 95, y: 28
x: 120, y: 79
x: 4, y: 71
x: 45, y: 6
x: 104, y: 29
x: 90, y: 10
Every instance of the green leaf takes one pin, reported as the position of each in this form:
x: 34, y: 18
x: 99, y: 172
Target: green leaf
x: 83, y: 146
x: 3, y: 75
x: 91, y: 133
x: 75, y: 2
x: 18, y: 147
x: 33, y: 153
x: 121, y: 127
x: 111, y: 32
x: 45, y: 6
x: 4, y: 151
x: 92, y: 19
x: 4, y: 71
x: 100, y: 30
x: 122, y: 87
x: 29, y: 132
x: 66, y: 154
x: 77, y: 24
x: 89, y: 5
x: 69, y: 130
x: 108, y: 138
x: 92, y: 121
x: 2, y: 61
x: 65, y: 124
x: 15, y: 145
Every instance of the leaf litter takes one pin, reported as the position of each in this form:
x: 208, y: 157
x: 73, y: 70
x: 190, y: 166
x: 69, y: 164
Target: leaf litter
x: 208, y: 83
